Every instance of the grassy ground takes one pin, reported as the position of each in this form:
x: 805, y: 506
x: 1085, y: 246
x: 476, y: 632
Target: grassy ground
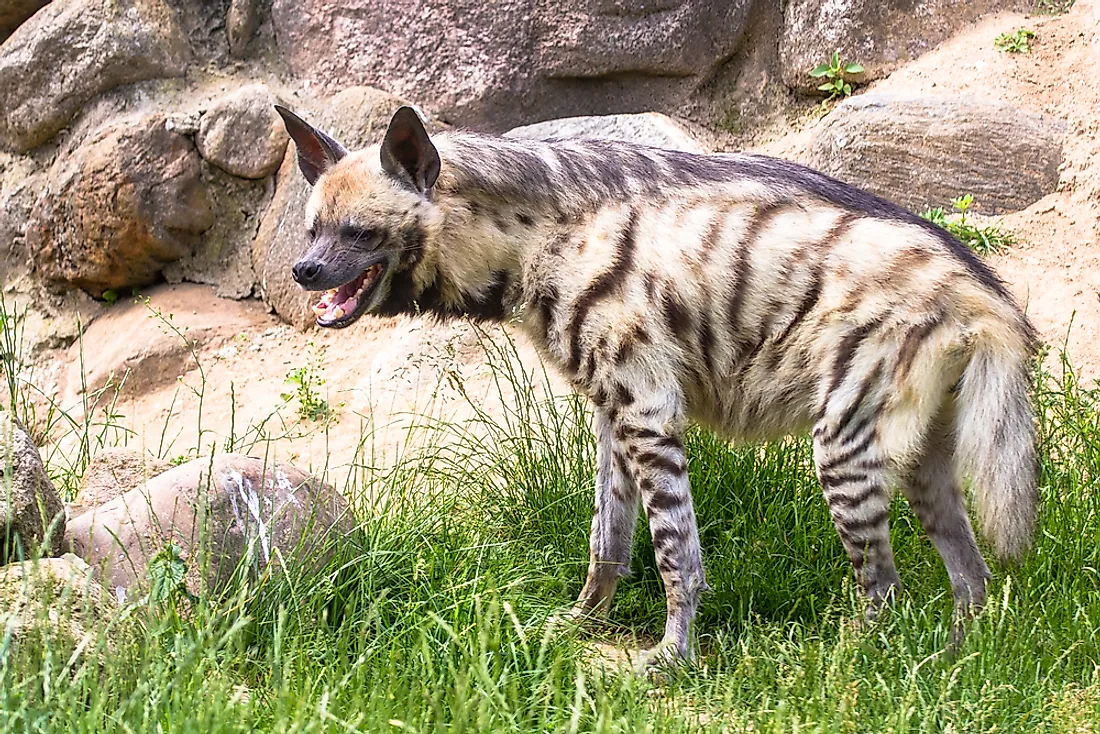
x: 431, y: 615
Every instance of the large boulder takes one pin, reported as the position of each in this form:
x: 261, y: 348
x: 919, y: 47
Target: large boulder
x: 881, y: 36
x: 496, y: 65
x: 227, y: 515
x: 72, y: 50
x: 644, y: 128
x: 242, y: 135
x: 14, y: 12
x: 356, y: 117
x: 923, y: 151
x: 120, y: 207
x: 33, y: 518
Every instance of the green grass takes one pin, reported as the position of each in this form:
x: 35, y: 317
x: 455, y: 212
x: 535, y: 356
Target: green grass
x: 430, y: 616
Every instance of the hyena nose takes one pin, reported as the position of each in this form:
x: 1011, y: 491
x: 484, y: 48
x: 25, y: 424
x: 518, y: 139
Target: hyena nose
x: 306, y: 271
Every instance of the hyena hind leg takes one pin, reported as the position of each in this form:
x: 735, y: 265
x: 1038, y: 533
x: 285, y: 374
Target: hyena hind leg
x: 613, y: 523
x: 932, y: 488
x: 852, y: 471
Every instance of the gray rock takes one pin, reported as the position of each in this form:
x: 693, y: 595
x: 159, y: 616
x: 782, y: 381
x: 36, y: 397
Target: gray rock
x: 881, y: 36
x: 14, y: 12
x: 242, y: 135
x: 222, y: 513
x: 923, y: 151
x: 72, y: 50
x: 33, y: 518
x: 356, y: 117
x: 241, y: 21
x: 120, y: 207
x: 644, y: 128
x: 113, y: 472
x: 501, y: 64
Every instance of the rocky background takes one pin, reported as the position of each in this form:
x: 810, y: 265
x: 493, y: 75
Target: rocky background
x: 140, y: 156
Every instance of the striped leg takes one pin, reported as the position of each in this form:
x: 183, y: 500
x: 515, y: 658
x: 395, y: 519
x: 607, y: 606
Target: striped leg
x: 613, y: 523
x: 651, y: 437
x: 852, y: 473
x: 933, y: 491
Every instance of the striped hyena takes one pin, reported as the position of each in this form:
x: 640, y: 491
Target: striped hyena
x: 748, y: 294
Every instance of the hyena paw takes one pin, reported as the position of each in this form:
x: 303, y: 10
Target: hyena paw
x: 665, y: 655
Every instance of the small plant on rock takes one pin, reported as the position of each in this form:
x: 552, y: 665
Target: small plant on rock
x: 837, y: 74
x: 1017, y: 42
x: 982, y: 240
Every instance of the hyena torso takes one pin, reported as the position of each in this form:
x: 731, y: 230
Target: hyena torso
x: 747, y: 294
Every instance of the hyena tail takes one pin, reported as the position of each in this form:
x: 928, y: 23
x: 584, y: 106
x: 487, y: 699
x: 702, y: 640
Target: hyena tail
x: 995, y: 441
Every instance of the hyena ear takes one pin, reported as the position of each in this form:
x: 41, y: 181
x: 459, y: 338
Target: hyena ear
x: 407, y: 153
x: 317, y: 152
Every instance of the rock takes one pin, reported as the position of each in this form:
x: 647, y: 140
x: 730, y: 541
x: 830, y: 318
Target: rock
x: 21, y: 181
x: 497, y: 65
x: 879, y: 36
x: 54, y: 604
x: 256, y: 513
x: 119, y: 208
x: 240, y: 25
x: 923, y: 151
x: 242, y: 135
x: 72, y: 50
x: 138, y: 352
x: 113, y: 472
x: 223, y: 257
x: 33, y: 517
x: 645, y: 128
x: 14, y: 12
x: 356, y: 117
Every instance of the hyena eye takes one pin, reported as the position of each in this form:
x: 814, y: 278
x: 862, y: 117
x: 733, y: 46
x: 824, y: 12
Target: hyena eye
x: 312, y: 232
x: 358, y: 234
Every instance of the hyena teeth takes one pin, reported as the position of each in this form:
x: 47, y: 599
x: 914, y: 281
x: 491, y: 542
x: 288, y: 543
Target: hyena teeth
x: 747, y: 293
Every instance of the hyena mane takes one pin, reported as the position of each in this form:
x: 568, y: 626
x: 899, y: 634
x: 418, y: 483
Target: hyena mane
x: 748, y: 294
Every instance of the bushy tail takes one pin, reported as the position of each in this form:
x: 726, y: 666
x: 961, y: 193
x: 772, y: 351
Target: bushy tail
x: 995, y: 443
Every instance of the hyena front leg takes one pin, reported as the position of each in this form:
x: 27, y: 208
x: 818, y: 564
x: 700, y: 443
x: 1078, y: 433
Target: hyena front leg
x: 650, y: 434
x: 613, y: 523
x: 852, y: 472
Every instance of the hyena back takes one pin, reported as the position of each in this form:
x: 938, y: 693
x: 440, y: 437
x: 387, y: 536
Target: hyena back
x: 747, y: 294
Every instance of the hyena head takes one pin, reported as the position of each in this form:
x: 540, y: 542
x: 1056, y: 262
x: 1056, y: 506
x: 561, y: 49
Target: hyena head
x: 368, y: 216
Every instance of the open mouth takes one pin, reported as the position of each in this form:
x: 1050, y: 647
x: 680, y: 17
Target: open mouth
x: 341, y: 306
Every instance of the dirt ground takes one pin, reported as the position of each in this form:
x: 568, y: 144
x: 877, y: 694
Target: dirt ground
x: 380, y: 373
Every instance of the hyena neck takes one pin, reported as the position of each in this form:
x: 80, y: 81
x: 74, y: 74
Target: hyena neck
x: 473, y: 262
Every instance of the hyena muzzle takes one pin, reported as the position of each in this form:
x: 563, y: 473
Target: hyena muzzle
x: 748, y: 294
